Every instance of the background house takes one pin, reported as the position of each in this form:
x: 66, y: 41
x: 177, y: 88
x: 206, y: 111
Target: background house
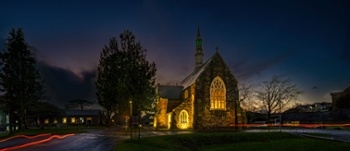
x: 83, y: 117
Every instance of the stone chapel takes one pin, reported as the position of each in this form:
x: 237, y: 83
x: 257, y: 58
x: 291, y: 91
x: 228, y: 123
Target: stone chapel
x: 205, y: 99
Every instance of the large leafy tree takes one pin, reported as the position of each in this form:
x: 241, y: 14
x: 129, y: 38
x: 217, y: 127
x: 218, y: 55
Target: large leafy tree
x: 125, y: 75
x: 19, y: 79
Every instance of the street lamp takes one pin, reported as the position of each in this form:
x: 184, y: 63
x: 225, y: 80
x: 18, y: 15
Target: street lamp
x: 130, y: 119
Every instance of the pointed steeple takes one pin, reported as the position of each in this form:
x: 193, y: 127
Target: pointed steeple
x: 198, y: 33
x: 198, y: 56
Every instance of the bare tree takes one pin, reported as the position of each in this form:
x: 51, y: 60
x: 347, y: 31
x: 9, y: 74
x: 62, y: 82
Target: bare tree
x: 246, y: 95
x: 275, y: 94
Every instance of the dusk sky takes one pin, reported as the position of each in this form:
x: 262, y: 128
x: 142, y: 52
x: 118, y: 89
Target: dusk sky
x: 307, y: 40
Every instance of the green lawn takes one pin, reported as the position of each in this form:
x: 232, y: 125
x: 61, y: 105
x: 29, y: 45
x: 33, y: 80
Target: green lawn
x: 230, y: 141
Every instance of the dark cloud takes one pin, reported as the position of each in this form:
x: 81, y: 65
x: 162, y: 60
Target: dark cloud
x: 245, y: 69
x: 63, y: 85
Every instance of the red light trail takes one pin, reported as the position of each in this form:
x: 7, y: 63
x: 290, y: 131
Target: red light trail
x: 36, y: 142
x: 25, y: 136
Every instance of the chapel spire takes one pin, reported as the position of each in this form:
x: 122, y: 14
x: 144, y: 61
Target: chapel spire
x: 198, y: 56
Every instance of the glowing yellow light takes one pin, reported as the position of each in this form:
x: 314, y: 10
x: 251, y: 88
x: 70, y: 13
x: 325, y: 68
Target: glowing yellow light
x: 55, y: 121
x: 46, y: 121
x: 73, y: 120
x: 155, y: 122
x: 64, y: 120
x: 169, y: 121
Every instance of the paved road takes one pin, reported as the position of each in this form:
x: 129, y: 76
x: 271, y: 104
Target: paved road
x: 105, y: 140
x: 99, y: 140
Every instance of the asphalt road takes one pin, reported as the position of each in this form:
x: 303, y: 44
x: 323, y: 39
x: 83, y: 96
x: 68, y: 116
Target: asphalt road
x: 105, y: 140
x: 97, y: 140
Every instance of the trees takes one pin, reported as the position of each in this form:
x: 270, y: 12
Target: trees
x: 19, y: 78
x: 125, y: 75
x: 246, y: 94
x: 275, y: 94
x: 43, y: 110
x: 78, y: 104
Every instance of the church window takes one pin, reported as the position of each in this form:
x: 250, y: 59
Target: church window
x: 183, y: 118
x: 186, y: 94
x: 217, y: 94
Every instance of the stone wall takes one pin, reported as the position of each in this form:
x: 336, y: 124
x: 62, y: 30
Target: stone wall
x: 186, y: 105
x: 162, y: 113
x: 209, y: 119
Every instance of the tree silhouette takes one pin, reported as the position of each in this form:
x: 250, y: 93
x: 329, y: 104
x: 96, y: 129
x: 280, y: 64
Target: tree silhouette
x: 19, y: 78
x: 275, y: 94
x: 78, y: 104
x: 123, y: 75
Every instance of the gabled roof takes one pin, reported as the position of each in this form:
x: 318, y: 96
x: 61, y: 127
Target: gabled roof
x: 82, y: 112
x: 189, y: 80
x: 170, y: 92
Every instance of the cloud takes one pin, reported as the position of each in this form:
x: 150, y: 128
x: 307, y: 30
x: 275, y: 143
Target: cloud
x: 63, y: 85
x: 245, y: 69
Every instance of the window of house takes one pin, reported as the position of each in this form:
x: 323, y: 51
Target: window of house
x: 64, y: 120
x: 72, y: 120
x: 46, y: 121
x: 217, y: 94
x: 183, y: 118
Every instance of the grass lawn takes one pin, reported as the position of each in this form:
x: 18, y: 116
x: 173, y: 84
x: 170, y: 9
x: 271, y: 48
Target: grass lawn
x: 222, y: 141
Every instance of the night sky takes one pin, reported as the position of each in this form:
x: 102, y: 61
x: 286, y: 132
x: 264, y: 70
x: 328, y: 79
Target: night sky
x: 307, y: 41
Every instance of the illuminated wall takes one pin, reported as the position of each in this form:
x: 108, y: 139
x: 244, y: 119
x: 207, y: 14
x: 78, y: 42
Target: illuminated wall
x: 162, y: 118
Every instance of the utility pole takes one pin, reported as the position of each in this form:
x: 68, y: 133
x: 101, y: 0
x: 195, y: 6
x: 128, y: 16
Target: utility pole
x: 130, y: 118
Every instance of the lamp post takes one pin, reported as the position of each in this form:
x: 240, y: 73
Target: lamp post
x: 130, y: 119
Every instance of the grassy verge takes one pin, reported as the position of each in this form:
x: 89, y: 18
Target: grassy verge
x: 229, y: 141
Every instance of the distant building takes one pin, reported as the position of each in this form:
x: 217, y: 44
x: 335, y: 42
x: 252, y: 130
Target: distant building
x: 316, y: 107
x: 341, y: 106
x: 74, y: 117
x: 306, y: 118
x: 82, y: 117
x: 206, y: 99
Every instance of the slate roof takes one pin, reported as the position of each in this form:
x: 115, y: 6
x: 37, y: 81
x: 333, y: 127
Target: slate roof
x: 170, y: 92
x: 188, y: 81
x: 82, y: 112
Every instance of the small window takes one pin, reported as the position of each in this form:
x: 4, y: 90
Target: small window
x: 72, y: 120
x: 64, y: 120
x: 183, y: 117
x: 186, y: 94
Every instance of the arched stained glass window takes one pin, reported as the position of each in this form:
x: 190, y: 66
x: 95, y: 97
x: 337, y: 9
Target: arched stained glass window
x: 217, y: 94
x: 183, y: 117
